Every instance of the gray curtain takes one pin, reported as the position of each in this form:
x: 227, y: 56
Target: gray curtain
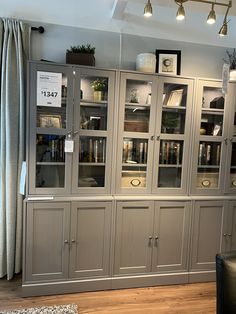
x: 14, y: 52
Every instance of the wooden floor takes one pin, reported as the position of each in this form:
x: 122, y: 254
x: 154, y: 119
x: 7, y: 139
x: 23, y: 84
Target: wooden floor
x: 178, y: 299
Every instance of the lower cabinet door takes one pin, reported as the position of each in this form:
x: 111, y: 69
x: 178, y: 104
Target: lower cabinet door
x: 90, y: 239
x: 171, y: 236
x: 207, y: 234
x: 47, y: 241
x: 230, y: 230
x: 133, y: 240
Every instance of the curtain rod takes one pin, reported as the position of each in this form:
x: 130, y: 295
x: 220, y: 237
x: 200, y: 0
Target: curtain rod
x: 39, y: 29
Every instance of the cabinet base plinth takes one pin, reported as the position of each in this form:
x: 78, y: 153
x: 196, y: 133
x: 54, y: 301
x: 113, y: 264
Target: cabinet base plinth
x: 119, y: 282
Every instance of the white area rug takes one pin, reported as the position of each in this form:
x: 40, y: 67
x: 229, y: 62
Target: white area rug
x: 56, y: 309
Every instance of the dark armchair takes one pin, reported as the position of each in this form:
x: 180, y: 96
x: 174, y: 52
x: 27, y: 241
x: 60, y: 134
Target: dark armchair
x: 226, y: 282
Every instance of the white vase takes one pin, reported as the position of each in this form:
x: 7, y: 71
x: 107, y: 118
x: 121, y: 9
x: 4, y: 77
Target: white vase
x: 146, y: 62
x: 232, y: 75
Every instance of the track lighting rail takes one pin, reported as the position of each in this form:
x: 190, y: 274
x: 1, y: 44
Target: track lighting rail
x: 211, y: 16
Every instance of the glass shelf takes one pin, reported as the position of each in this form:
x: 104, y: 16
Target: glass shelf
x: 213, y: 111
x: 133, y: 165
x: 89, y: 103
x: 131, y: 105
x: 173, y: 108
x: 50, y: 163
x: 169, y: 166
x: 92, y: 164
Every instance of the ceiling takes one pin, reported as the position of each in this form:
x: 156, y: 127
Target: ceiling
x: 126, y: 16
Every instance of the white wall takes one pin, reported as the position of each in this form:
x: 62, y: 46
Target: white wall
x: 119, y: 51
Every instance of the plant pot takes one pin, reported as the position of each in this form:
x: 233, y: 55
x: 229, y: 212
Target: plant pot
x: 97, y: 95
x: 232, y: 75
x: 80, y: 58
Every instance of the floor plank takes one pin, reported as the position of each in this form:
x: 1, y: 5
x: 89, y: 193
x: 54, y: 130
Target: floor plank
x: 178, y: 299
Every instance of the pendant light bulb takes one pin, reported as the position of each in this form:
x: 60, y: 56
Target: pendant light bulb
x: 180, y: 13
x: 148, y: 9
x: 211, y: 19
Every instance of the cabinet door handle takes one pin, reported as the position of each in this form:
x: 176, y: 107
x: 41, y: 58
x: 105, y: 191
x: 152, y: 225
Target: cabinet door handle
x: 226, y: 140
x: 225, y: 234
x: 66, y: 241
x: 152, y: 138
x: 229, y: 235
x: 231, y: 140
x: 156, y: 238
x: 150, y: 237
x: 158, y: 137
x: 73, y: 241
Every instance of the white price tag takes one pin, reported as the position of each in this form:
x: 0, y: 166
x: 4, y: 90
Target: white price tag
x: 49, y: 89
x: 69, y: 146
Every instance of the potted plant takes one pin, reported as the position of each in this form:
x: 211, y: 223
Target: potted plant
x: 232, y: 63
x: 83, y: 54
x: 99, y: 86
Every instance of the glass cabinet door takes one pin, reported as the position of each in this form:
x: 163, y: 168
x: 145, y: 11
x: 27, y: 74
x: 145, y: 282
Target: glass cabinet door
x: 210, y: 145
x: 50, y: 112
x: 230, y: 179
x: 172, y: 135
x: 93, y: 118
x: 136, y: 132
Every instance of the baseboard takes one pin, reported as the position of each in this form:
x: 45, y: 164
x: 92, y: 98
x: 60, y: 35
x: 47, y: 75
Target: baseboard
x: 202, y: 276
x: 149, y: 280
x: 61, y: 287
x: 119, y: 282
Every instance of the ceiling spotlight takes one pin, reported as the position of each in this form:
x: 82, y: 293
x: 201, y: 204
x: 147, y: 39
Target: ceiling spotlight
x: 224, y: 29
x: 211, y: 19
x: 148, y: 9
x: 180, y: 13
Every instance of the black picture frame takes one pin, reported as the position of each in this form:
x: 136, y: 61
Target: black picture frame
x: 174, y: 68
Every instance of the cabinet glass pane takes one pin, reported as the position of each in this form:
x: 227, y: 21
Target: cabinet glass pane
x: 136, y: 118
x: 138, y: 100
x: 208, y: 164
x: 173, y: 121
x: 170, y: 164
x: 211, y: 124
x: 233, y: 167
x: 169, y: 177
x: 92, y: 157
x: 135, y: 151
x: 174, y: 108
x: 175, y: 95
x: 93, y: 117
x: 213, y: 98
x: 50, y: 161
x: 134, y: 162
x: 171, y: 152
x: 51, y: 102
x: 93, y: 102
x: 94, y: 89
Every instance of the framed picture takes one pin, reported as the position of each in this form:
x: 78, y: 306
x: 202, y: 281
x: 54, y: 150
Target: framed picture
x: 168, y: 61
x: 50, y: 121
x: 175, y: 97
